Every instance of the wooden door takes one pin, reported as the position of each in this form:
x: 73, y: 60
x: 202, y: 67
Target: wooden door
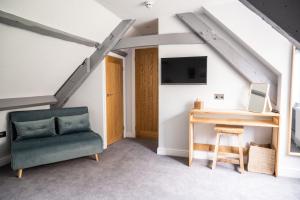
x: 146, y: 93
x: 114, y: 99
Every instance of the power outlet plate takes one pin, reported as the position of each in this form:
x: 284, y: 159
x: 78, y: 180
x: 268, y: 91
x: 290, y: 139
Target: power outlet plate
x: 2, y: 134
x: 219, y: 96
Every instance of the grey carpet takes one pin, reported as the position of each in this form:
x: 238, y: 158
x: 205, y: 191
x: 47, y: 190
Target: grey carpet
x: 131, y: 170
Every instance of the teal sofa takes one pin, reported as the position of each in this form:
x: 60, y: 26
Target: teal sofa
x: 44, y: 149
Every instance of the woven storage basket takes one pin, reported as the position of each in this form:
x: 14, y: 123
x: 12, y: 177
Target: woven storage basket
x: 261, y: 160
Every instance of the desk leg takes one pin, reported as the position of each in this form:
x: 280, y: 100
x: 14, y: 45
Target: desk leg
x: 275, y: 145
x: 191, y: 142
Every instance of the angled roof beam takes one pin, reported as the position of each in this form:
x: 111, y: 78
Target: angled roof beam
x: 19, y: 22
x: 86, y: 68
x: 240, y: 56
x: 283, y: 16
x: 24, y: 102
x: 155, y: 40
x: 120, y: 52
x: 16, y: 21
x: 110, y: 42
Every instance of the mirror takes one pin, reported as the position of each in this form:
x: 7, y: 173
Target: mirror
x: 294, y: 139
x: 259, y: 99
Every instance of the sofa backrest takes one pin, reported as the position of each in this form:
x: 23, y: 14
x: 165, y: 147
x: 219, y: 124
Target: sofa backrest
x: 32, y: 115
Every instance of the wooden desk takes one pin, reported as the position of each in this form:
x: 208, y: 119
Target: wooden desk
x: 232, y: 117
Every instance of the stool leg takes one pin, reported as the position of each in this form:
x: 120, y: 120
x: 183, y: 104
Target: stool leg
x: 213, y: 166
x: 241, y: 153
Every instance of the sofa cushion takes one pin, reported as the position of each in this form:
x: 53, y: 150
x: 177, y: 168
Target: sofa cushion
x: 32, y: 115
x: 35, y: 129
x: 39, y: 151
x: 72, y: 124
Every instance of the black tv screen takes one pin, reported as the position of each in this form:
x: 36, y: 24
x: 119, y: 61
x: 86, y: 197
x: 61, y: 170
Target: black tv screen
x: 184, y: 70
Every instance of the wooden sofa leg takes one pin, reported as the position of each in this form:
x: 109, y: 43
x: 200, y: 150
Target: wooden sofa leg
x: 20, y: 173
x: 97, y: 157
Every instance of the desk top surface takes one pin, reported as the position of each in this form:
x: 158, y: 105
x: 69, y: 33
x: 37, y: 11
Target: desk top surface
x: 233, y: 112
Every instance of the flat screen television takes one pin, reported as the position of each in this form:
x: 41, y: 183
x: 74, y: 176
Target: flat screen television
x: 184, y: 70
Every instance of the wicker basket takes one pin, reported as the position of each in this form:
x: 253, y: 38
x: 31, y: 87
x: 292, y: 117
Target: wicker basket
x: 261, y: 160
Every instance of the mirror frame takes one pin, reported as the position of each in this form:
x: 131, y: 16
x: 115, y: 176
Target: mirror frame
x: 292, y: 78
x: 266, y: 107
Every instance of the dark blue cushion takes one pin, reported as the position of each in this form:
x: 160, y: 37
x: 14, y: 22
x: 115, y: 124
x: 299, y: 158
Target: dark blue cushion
x: 73, y: 124
x: 35, y: 129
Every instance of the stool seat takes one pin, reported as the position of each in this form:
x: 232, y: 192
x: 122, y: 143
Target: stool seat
x: 220, y: 128
x: 223, y: 130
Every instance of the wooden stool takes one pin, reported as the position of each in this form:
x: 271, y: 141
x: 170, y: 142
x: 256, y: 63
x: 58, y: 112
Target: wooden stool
x: 229, y: 130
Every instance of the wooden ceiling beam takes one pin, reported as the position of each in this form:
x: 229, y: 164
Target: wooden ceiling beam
x: 24, y: 102
x: 20, y: 22
x: 229, y: 46
x: 91, y: 63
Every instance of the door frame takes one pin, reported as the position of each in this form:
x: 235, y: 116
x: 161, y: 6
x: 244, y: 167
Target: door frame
x: 133, y: 89
x: 104, y: 121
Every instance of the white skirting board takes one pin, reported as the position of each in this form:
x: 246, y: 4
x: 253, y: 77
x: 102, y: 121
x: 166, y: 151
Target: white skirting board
x: 4, y: 160
x: 129, y: 134
x: 183, y: 153
x: 289, y: 172
x: 172, y: 152
x: 283, y: 172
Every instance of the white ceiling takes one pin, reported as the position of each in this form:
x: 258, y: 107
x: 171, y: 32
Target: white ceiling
x: 146, y: 22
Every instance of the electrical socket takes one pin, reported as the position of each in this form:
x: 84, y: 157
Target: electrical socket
x: 2, y: 134
x: 219, y: 96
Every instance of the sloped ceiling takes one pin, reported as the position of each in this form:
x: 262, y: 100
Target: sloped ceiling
x: 35, y: 65
x: 146, y: 22
x: 283, y: 15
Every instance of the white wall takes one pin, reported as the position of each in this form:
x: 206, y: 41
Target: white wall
x: 292, y: 164
x: 129, y: 92
x: 266, y: 42
x: 33, y: 64
x: 92, y: 93
x: 28, y: 58
x: 276, y: 50
x: 175, y: 101
x: 296, y: 79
